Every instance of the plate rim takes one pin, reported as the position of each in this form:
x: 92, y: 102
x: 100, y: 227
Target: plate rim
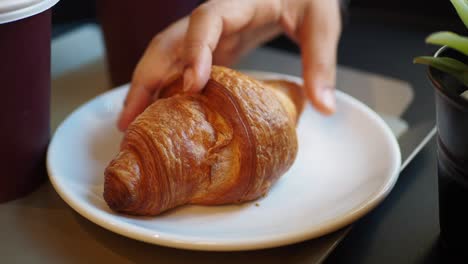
x: 99, y: 217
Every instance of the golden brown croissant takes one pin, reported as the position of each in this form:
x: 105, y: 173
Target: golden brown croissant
x: 228, y: 144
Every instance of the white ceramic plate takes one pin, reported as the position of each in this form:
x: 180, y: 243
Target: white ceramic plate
x: 346, y: 165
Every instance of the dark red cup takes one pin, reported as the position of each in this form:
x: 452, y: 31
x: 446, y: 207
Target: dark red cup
x: 25, y: 35
x: 129, y: 26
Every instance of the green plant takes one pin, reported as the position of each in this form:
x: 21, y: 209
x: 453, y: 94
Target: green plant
x: 451, y: 66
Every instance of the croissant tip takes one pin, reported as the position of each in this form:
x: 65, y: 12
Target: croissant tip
x: 116, y: 193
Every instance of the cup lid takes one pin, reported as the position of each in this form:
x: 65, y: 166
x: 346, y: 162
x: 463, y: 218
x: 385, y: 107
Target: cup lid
x: 12, y: 10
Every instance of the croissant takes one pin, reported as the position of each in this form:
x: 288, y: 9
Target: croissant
x: 229, y: 144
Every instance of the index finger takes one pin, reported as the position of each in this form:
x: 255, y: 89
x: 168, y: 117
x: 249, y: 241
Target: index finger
x: 210, y: 22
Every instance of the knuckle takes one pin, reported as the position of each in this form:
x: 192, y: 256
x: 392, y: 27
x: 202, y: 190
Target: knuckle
x: 137, y: 76
x: 322, y: 67
x: 203, y: 10
x: 193, y: 48
x: 156, y: 40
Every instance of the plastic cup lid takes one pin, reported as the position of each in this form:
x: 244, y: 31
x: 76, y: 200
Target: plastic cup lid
x: 12, y: 10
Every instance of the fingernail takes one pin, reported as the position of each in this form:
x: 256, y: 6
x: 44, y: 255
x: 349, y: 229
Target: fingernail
x: 188, y: 79
x: 328, y: 99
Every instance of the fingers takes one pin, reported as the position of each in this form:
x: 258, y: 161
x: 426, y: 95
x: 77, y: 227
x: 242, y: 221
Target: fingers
x: 159, y: 63
x: 318, y: 35
x: 188, y: 47
x: 215, y: 19
x: 232, y: 47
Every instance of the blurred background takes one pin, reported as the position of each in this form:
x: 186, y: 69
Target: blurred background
x: 421, y: 13
x: 401, y: 15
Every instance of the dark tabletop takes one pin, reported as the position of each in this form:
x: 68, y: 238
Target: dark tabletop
x: 404, y: 228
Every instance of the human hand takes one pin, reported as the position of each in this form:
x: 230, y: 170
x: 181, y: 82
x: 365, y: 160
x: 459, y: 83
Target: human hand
x: 220, y: 31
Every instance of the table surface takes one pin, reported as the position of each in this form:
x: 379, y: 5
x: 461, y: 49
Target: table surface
x: 402, y: 229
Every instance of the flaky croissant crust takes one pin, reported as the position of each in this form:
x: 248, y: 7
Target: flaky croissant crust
x: 228, y: 144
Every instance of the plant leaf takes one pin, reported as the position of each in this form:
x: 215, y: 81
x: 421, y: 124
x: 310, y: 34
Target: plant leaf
x: 450, y: 39
x: 448, y: 65
x: 462, y: 9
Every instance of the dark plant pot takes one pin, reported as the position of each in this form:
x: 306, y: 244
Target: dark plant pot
x: 452, y: 156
